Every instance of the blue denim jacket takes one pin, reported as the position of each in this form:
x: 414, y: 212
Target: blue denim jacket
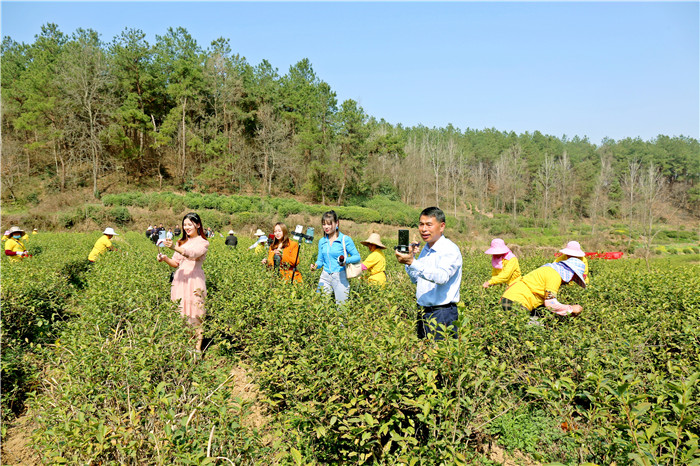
x: 328, y: 254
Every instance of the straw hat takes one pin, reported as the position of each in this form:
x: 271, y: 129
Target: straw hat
x: 109, y: 231
x: 259, y: 233
x: 15, y: 230
x: 498, y: 246
x: 573, y: 248
x: 375, y: 240
x: 230, y: 232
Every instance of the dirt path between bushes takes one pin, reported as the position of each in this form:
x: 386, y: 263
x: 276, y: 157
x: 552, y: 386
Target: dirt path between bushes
x: 16, y: 446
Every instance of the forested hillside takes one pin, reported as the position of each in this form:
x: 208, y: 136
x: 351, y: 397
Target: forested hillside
x: 175, y: 115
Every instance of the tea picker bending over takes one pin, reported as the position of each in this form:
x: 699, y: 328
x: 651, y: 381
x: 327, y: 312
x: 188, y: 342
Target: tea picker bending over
x: 504, y: 264
x: 538, y: 289
x: 103, y: 244
x: 331, y: 258
x: 437, y: 273
x: 573, y: 249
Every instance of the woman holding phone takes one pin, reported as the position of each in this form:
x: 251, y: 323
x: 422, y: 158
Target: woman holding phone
x: 283, y: 254
x: 189, y: 283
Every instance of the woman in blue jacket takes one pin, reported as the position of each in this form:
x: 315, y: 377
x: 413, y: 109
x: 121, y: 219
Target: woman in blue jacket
x: 332, y: 250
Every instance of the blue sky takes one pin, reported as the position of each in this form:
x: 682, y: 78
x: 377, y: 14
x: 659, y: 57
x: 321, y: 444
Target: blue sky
x: 596, y: 69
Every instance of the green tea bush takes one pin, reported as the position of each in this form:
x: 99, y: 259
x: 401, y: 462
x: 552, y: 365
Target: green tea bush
x: 119, y: 215
x: 35, y: 293
x: 353, y: 384
x: 393, y: 212
x: 122, y: 384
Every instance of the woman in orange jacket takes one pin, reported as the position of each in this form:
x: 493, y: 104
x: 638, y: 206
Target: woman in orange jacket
x: 283, y: 254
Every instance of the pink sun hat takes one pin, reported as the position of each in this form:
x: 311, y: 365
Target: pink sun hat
x: 573, y: 249
x: 498, y: 246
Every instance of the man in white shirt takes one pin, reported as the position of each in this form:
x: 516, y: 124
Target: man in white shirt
x: 437, y: 273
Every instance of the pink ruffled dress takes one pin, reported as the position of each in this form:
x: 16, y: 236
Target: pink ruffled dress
x: 189, y: 284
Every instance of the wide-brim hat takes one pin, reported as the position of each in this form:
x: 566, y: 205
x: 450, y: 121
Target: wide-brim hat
x: 573, y: 248
x: 230, y: 232
x: 375, y: 240
x: 259, y: 233
x: 15, y: 230
x: 578, y: 268
x: 498, y: 246
x: 109, y: 231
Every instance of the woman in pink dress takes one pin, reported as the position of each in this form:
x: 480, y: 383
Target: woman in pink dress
x: 189, y: 284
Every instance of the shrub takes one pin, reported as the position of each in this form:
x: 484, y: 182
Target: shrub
x: 119, y: 215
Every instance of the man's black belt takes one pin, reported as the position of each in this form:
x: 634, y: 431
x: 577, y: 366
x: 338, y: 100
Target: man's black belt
x: 439, y: 306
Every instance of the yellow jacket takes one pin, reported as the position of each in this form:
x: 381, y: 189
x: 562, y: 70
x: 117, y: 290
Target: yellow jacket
x: 14, y: 245
x: 532, y: 289
x: 376, y: 266
x: 101, y: 245
x: 563, y: 257
x: 508, y: 274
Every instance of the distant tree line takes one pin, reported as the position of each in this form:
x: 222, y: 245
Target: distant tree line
x: 76, y: 110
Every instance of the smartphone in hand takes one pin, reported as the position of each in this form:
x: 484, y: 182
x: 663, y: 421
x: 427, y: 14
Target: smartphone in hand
x: 403, y: 242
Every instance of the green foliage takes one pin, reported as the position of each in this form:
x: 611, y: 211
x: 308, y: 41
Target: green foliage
x: 119, y: 215
x: 352, y: 384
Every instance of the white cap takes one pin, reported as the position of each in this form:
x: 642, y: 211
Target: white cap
x: 230, y: 232
x: 109, y: 231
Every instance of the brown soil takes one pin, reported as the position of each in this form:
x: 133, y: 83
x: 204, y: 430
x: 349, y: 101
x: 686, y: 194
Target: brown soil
x: 16, y: 446
x: 501, y: 456
x: 248, y: 391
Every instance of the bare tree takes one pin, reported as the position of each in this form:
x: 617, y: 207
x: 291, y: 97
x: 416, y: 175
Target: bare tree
x: 651, y: 189
x: 511, y: 177
x: 546, y: 179
x: 84, y: 78
x: 11, y: 167
x: 479, y: 181
x: 435, y: 154
x: 630, y: 186
x: 565, y: 183
x: 599, y: 198
x: 272, y: 138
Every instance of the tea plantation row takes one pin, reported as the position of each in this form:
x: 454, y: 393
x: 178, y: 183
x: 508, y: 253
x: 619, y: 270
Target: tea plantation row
x: 119, y: 383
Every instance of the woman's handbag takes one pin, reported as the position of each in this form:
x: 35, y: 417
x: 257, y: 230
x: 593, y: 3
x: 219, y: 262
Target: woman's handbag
x: 351, y: 270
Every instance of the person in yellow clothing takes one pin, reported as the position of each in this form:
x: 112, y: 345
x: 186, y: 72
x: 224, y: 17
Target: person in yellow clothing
x: 375, y: 263
x: 14, y: 248
x: 35, y: 231
x: 102, y: 244
x: 259, y: 245
x: 283, y: 254
x: 539, y: 289
x: 573, y: 249
x: 504, y: 265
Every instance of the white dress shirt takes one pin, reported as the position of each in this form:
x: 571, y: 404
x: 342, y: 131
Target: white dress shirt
x: 437, y: 273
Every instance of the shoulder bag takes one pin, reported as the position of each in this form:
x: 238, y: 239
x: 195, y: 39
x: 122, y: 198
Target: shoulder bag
x: 351, y: 270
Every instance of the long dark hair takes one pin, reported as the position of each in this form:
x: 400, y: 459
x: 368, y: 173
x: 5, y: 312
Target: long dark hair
x: 329, y: 216
x: 194, y: 218
x: 285, y: 236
